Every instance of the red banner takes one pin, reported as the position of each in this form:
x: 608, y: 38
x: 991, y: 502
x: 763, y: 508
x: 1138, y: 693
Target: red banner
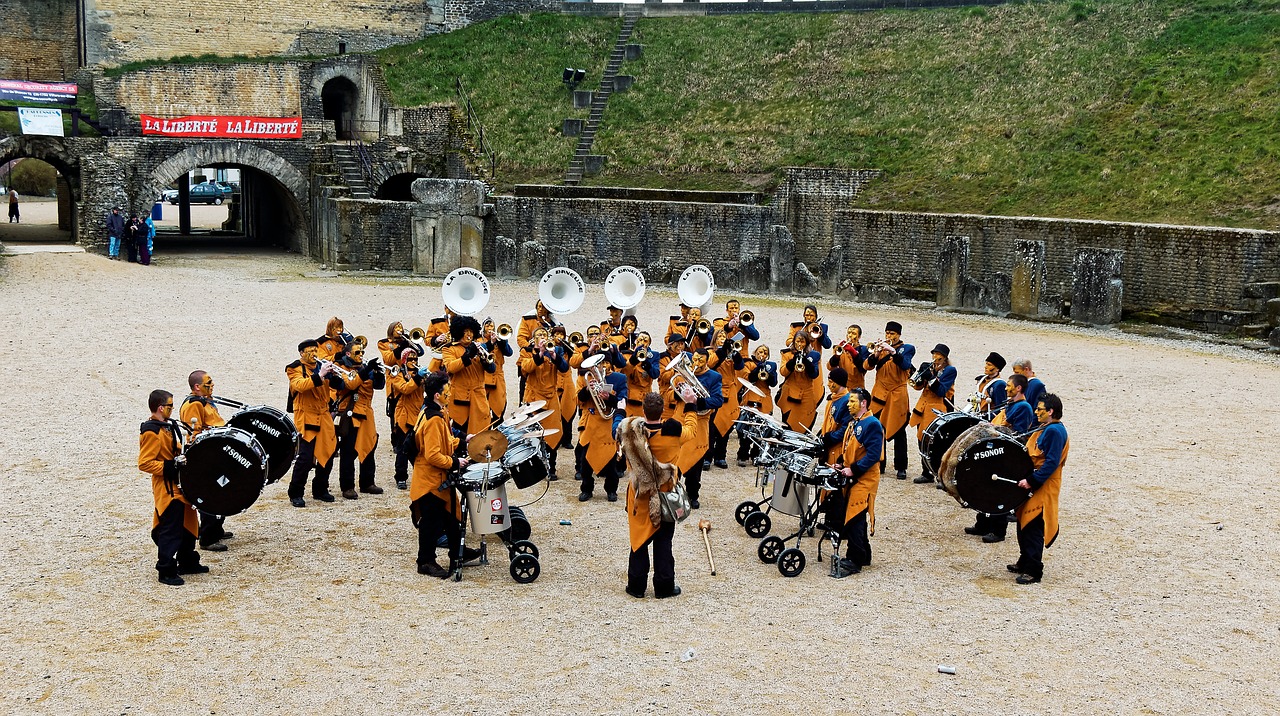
x: 235, y: 127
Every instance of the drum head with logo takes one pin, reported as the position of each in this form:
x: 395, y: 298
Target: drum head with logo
x: 987, y: 472
x: 225, y: 472
x: 275, y: 433
x: 940, y: 435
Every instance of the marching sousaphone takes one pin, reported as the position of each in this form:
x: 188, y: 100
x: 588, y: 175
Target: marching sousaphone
x: 562, y: 290
x: 465, y: 291
x: 696, y: 286
x: 624, y: 287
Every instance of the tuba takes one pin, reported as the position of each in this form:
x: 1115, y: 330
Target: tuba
x: 624, y: 287
x: 597, y: 386
x: 561, y: 290
x: 465, y: 291
x: 682, y: 369
x: 696, y: 286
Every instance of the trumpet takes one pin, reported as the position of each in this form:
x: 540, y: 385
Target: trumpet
x: 815, y: 330
x: 342, y: 372
x: 760, y: 375
x: 838, y: 350
x: 504, y: 331
x: 418, y: 335
x: 923, y: 375
x: 485, y: 355
x: 576, y: 339
x: 734, y: 346
x: 746, y: 318
x: 702, y: 327
x: 642, y: 354
x: 361, y: 341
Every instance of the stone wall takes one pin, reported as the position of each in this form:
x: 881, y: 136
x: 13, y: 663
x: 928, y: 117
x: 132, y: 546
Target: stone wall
x: 460, y: 13
x: 807, y: 201
x: 39, y: 40
x: 266, y: 90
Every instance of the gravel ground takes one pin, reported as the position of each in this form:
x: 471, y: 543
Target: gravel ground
x: 1159, y: 596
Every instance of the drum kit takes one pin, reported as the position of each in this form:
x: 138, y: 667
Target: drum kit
x: 225, y: 469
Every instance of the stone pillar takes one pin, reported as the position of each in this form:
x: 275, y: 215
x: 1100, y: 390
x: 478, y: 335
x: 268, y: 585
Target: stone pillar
x: 506, y: 262
x: 953, y: 269
x: 184, y: 205
x: 782, y: 259
x: 1029, y: 276
x: 64, y: 203
x: 447, y: 225
x: 1098, y: 290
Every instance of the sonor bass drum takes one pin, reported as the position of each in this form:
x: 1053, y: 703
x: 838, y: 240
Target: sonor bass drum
x: 275, y: 432
x: 225, y: 471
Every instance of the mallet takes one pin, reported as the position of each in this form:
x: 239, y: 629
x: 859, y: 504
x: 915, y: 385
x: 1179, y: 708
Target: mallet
x: 705, y: 526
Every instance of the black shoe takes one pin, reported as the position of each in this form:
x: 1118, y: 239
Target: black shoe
x: 923, y: 479
x: 1026, y: 579
x: 612, y: 496
x: 637, y: 594
x: 1015, y: 568
x: 470, y: 554
x: 297, y: 502
x: 742, y: 463
x: 706, y: 464
x: 1011, y: 517
x: 350, y: 494
x: 902, y: 474
x: 402, y: 484
x: 992, y: 538
x: 675, y: 592
x: 695, y: 504
x: 974, y: 531
x: 584, y: 496
x: 722, y: 464
x: 553, y: 477
x: 433, y: 569
x: 577, y: 476
x: 324, y: 496
x: 193, y: 569
x: 372, y: 490
x: 173, y: 580
x: 215, y: 547
x: 227, y: 535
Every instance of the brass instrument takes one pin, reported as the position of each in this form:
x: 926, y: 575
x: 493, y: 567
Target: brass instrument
x: 483, y: 350
x: 703, y: 327
x: 682, y: 370
x: 746, y: 318
x: 760, y: 374
x: 838, y: 350
x: 504, y: 331
x: 418, y: 335
x: 642, y: 355
x: 576, y: 339
x: 734, y: 346
x: 923, y: 375
x: 344, y: 373
x: 597, y: 386
x: 815, y: 331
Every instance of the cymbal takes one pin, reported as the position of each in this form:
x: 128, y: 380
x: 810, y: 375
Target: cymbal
x: 751, y: 388
x: 487, y: 446
x: 540, y: 416
x: 545, y: 433
x: 529, y: 408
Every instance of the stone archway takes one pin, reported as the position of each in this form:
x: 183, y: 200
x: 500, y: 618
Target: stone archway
x: 55, y: 152
x: 338, y: 98
x: 231, y: 152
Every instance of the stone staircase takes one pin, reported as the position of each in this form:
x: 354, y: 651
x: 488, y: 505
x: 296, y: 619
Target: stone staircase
x: 347, y: 162
x: 600, y: 98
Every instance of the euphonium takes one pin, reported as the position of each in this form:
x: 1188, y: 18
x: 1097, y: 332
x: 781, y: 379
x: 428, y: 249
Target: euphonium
x: 597, y: 386
x: 683, y: 374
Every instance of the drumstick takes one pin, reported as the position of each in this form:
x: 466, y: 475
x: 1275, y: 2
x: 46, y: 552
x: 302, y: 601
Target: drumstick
x: 1004, y: 479
x: 705, y: 526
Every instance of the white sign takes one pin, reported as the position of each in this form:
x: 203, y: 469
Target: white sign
x: 36, y: 120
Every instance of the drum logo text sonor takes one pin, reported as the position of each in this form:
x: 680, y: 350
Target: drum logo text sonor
x: 237, y: 456
x: 989, y: 453
x: 266, y: 428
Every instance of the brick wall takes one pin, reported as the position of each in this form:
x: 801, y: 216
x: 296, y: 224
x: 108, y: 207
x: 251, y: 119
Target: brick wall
x: 807, y: 201
x: 460, y: 13
x: 268, y: 90
x: 1168, y: 269
x: 38, y: 39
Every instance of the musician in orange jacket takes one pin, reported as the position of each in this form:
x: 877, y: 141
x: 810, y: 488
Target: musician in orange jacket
x: 467, y: 367
x: 199, y: 413
x: 936, y: 382
x: 889, y: 398
x: 640, y: 373
x: 852, y: 356
x: 309, y: 385
x: 1038, y: 516
x: 651, y: 447
x: 435, y: 505
x: 798, y: 399
x: 330, y: 344
x: 542, y: 365
x: 495, y: 383
x: 730, y: 365
x: 597, y: 446
x: 763, y: 374
x: 405, y: 387
x: 173, y: 522
x: 357, y: 430
x: 863, y: 446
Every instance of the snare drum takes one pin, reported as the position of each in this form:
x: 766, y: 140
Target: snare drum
x: 481, y: 476
x: 790, y: 496
x: 939, y: 437
x: 275, y: 433
x: 225, y: 471
x: 802, y: 466
x: 982, y: 470
x: 488, y: 511
x: 525, y: 463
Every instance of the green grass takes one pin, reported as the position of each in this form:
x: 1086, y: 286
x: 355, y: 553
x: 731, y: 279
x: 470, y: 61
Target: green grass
x: 1142, y: 110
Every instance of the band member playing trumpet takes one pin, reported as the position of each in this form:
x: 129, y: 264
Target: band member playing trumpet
x: 467, y: 362
x: 836, y: 418
x: 199, y: 413
x: 405, y: 387
x: 440, y: 330
x: 601, y: 405
x: 727, y: 360
x: 173, y: 522
x: 574, y: 349
x: 852, y: 356
x: 678, y: 324
x: 863, y: 446
x: 701, y: 333
x: 1038, y: 516
x: 310, y: 382
x: 704, y: 401
x: 936, y: 383
x: 737, y: 326
x: 626, y: 339
x: 891, y: 360
x: 799, y: 369
x: 543, y: 364
x: 612, y: 326
x: 356, y: 429
x: 763, y: 374
x: 495, y: 383
x: 651, y: 447
x: 818, y: 340
x: 641, y: 370
x: 434, y: 504
x: 530, y: 322
x: 331, y: 343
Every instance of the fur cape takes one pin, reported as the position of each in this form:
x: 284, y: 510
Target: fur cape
x: 647, y: 473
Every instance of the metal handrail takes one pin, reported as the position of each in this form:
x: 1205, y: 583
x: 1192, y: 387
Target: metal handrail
x: 477, y: 129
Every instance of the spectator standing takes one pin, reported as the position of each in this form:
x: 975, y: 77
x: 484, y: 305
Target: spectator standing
x: 13, y: 207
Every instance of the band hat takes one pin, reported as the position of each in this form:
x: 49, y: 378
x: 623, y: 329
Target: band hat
x: 893, y: 327
x: 942, y: 350
x: 996, y: 360
x: 839, y: 376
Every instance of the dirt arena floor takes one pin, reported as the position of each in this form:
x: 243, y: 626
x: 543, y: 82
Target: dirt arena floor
x: 1160, y: 596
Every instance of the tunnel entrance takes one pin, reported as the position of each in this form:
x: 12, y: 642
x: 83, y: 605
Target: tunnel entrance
x: 246, y: 208
x: 338, y: 97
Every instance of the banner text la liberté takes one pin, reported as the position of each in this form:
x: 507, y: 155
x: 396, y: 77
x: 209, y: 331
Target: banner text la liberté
x: 229, y: 127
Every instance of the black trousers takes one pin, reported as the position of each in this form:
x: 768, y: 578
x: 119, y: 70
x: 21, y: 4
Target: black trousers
x: 997, y: 525
x: 664, y: 564
x: 1031, y: 548
x: 899, y: 440
x: 719, y: 444
x: 175, y: 546
x: 402, y: 459
x: 693, y: 481
x: 347, y: 456
x: 566, y: 434
x: 302, y: 467
x: 14, y: 214
x: 747, y: 449
x: 435, y: 519
x: 211, y: 529
x: 859, y: 543
x: 610, y: 473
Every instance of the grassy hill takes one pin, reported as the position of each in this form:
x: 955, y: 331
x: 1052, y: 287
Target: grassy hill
x: 1157, y: 110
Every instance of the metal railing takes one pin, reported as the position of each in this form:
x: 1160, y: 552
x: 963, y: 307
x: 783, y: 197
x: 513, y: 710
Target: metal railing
x: 476, y: 129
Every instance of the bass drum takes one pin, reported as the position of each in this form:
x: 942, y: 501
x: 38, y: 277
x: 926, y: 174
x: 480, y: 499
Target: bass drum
x: 225, y: 471
x: 982, y: 469
x: 940, y: 435
x: 275, y: 432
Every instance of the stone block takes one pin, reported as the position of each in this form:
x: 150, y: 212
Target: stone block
x: 571, y: 127
x: 953, y: 268
x: 877, y: 294
x: 995, y: 293
x: 829, y: 272
x: 533, y: 259
x: 506, y: 260
x: 593, y: 164
x: 622, y: 83
x: 658, y: 272
x: 633, y: 51
x: 1265, y: 290
x: 1273, y: 312
x: 454, y: 196
x: 847, y: 290
x: 782, y: 259
x: 578, y: 263
x: 1275, y: 338
x: 805, y: 282
x: 1097, y: 287
x: 1028, y: 279
x: 582, y: 98
x: 755, y: 274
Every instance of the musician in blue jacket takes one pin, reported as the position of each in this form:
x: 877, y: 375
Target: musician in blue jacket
x: 1035, y: 386
x: 763, y: 374
x: 1017, y: 414
x: 863, y: 445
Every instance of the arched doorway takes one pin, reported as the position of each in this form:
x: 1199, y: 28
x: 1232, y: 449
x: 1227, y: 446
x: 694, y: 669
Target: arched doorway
x: 338, y: 97
x: 398, y: 187
x: 48, y: 191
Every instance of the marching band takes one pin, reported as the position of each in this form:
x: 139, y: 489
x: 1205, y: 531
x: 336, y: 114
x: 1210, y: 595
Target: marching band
x: 659, y: 417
